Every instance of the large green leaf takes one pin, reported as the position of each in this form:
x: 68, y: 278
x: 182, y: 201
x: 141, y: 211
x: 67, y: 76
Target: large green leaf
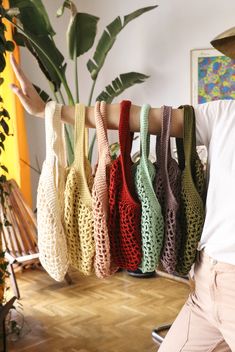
x: 120, y: 84
x: 48, y: 46
x: 34, y: 16
x: 108, y: 38
x: 81, y: 33
x: 36, y: 25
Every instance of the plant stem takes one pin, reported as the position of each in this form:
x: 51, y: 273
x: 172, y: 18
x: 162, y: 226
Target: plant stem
x: 76, y: 77
x: 61, y: 96
x: 53, y: 91
x: 62, y: 78
x: 94, y: 136
x: 91, y: 93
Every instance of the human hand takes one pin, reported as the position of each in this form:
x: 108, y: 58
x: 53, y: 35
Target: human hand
x: 29, y: 97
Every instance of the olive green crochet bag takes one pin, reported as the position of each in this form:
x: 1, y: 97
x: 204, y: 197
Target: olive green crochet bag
x: 192, y: 193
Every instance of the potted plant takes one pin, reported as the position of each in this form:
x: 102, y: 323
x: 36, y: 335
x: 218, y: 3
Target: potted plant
x: 34, y: 31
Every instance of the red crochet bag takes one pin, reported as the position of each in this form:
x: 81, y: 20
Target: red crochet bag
x: 124, y: 207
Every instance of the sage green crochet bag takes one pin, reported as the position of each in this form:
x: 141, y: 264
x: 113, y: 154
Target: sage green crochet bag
x: 192, y: 193
x: 152, y: 225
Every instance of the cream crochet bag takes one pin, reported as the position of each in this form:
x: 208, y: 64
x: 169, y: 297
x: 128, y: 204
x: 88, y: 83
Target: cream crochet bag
x: 51, y: 237
x: 78, y: 217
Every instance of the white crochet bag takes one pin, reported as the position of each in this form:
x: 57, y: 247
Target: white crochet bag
x: 51, y: 237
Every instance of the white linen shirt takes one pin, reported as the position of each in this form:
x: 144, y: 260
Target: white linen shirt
x: 215, y: 128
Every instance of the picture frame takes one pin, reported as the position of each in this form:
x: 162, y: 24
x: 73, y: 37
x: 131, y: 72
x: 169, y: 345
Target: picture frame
x: 212, y: 76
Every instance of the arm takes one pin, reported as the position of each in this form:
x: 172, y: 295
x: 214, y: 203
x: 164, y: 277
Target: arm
x: 34, y: 105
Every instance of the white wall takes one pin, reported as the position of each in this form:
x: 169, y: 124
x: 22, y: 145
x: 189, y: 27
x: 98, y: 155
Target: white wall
x: 158, y: 44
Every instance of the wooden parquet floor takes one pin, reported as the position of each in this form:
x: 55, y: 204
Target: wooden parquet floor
x: 93, y: 315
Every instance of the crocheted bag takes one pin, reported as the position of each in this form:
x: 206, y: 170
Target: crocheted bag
x: 100, y: 201
x: 193, y: 191
x: 51, y: 237
x: 152, y: 225
x: 125, y: 210
x: 78, y: 215
x: 168, y: 187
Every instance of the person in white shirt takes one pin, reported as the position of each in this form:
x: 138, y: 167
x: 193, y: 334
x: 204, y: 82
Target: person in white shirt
x: 206, y: 323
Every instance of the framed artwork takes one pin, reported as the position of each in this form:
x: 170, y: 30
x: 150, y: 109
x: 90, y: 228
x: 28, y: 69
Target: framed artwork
x: 212, y: 76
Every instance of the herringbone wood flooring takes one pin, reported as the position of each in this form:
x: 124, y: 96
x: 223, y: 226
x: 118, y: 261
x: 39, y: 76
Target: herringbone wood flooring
x: 93, y: 315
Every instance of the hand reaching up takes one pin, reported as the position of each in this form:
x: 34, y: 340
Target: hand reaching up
x: 27, y: 94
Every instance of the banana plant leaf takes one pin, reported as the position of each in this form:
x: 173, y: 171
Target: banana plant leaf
x: 108, y: 38
x: 120, y: 84
x: 81, y: 33
x: 36, y: 25
x: 34, y: 16
x: 48, y: 47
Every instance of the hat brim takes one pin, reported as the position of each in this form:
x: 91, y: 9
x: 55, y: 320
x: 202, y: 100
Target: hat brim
x: 225, y: 43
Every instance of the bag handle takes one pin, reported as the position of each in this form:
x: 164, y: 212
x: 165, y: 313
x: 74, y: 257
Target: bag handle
x: 125, y: 136
x: 186, y: 148
x: 144, y: 134
x: 79, y: 136
x: 54, y: 134
x: 125, y: 141
x: 101, y: 128
x: 165, y: 140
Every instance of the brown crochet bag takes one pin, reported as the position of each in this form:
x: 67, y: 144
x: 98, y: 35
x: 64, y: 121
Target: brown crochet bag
x: 192, y: 192
x: 168, y: 180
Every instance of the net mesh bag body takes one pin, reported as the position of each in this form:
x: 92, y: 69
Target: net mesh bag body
x: 100, y: 203
x: 125, y: 209
x: 152, y: 225
x: 168, y: 190
x: 78, y: 216
x: 51, y: 237
x: 192, y: 193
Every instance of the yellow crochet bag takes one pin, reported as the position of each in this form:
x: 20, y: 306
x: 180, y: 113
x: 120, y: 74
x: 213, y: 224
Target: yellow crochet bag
x: 78, y: 218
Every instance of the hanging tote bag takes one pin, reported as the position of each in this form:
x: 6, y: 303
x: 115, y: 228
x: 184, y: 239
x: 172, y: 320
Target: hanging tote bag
x: 51, y: 237
x: 125, y: 209
x: 100, y: 202
x: 192, y: 193
x: 152, y: 225
x: 168, y: 188
x: 78, y: 217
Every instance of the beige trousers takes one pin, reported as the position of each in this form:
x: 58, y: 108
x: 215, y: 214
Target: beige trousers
x: 206, y: 322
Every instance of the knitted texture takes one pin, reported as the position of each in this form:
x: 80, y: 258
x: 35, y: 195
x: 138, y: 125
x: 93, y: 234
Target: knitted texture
x: 125, y: 210
x: 193, y: 191
x: 51, y: 237
x: 78, y: 217
x: 168, y: 188
x: 152, y: 225
x: 100, y: 202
